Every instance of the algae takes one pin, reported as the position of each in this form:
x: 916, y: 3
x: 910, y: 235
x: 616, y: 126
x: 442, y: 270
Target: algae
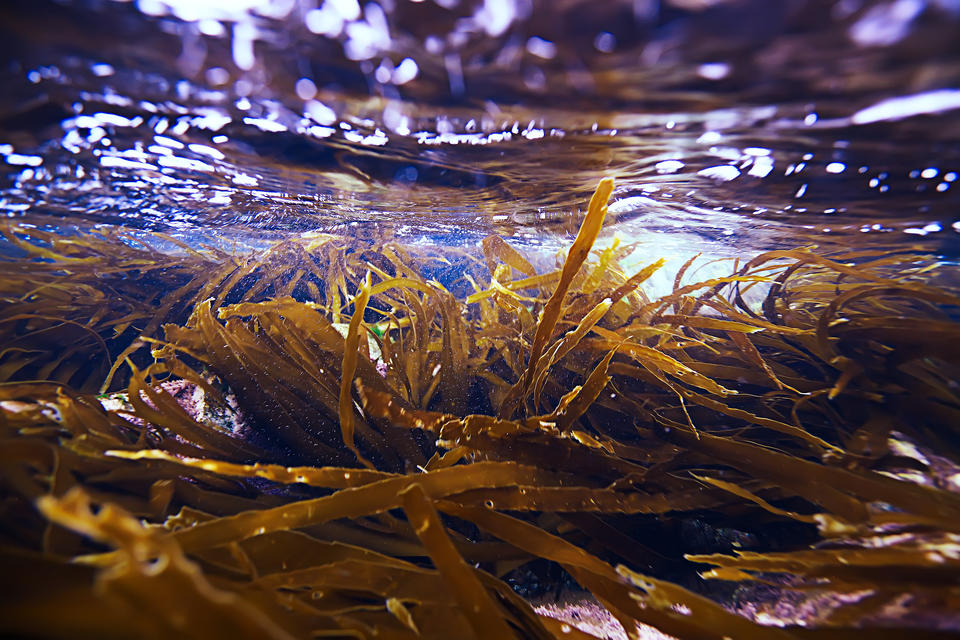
x: 500, y: 421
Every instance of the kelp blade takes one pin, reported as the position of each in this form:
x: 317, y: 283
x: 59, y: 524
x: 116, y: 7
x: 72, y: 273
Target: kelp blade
x: 322, y: 440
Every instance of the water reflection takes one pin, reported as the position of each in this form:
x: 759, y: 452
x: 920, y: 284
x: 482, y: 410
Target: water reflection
x: 730, y: 122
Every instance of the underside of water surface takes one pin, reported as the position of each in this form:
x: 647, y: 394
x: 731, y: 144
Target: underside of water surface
x: 480, y: 319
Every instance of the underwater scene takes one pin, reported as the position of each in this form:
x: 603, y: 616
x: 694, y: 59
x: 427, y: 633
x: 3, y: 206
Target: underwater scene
x: 493, y: 319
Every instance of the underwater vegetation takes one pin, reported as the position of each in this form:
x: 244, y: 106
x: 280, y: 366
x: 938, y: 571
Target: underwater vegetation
x: 359, y: 438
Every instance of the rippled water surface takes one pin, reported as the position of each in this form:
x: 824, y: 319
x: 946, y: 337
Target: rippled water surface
x: 730, y: 126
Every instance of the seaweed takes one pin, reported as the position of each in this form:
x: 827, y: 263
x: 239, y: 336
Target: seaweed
x: 320, y: 439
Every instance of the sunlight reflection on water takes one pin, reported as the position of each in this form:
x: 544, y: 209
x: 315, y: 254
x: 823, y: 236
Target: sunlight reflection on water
x: 453, y: 120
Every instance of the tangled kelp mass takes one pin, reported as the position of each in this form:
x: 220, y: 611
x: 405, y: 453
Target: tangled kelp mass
x: 392, y: 437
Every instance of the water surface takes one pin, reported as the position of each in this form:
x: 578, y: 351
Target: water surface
x: 731, y: 127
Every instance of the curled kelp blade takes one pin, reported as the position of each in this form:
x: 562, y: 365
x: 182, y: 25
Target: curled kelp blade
x: 154, y: 574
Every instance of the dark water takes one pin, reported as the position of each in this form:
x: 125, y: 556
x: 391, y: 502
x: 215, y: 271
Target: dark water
x: 731, y: 126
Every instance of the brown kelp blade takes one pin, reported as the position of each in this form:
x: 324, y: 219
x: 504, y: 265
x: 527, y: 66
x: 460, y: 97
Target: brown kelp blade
x: 323, y: 439
x: 589, y: 230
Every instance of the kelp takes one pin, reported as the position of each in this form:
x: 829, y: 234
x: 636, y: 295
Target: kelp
x: 327, y: 439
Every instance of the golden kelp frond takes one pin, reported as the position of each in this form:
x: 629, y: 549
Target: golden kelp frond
x: 551, y: 311
x: 154, y: 576
x: 336, y: 437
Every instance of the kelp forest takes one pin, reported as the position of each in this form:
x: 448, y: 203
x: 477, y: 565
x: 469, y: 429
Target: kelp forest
x: 355, y: 437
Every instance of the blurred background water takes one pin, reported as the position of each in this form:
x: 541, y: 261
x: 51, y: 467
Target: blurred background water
x: 732, y: 126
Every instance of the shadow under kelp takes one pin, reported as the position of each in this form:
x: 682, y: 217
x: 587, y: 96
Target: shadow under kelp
x: 377, y: 450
